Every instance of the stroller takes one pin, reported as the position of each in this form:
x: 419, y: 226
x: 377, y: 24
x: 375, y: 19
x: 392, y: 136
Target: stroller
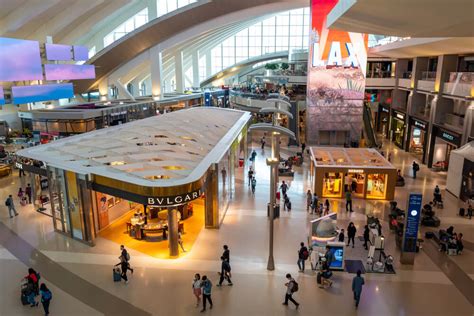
x: 26, y: 289
x: 438, y: 200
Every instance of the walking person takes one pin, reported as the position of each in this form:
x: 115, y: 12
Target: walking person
x: 283, y: 188
x: 303, y: 146
x: 254, y: 185
x: 357, y: 283
x: 348, y: 201
x: 11, y: 206
x: 351, y: 232
x: 21, y: 172
x: 389, y: 157
x: 206, y: 286
x: 123, y: 269
x: 291, y: 288
x: 197, y: 291
x: 20, y: 193
x: 225, y: 272
x: 28, y: 192
x: 315, y: 203
x: 262, y: 142
x: 46, y: 297
x: 250, y: 175
x: 309, y: 201
x: 226, y: 253
x: 303, y: 255
x: 326, y: 207
x: 366, y: 236
x: 180, y: 241
x: 124, y: 255
x: 33, y: 288
x: 415, y: 168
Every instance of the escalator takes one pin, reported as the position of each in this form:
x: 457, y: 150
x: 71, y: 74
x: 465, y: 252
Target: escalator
x: 369, y: 131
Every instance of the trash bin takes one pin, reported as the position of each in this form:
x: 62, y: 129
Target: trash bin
x: 276, y: 211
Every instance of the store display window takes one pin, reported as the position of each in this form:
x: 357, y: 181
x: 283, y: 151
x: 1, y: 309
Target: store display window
x: 355, y: 183
x: 398, y: 132
x: 332, y: 184
x: 376, y: 186
x: 417, y: 141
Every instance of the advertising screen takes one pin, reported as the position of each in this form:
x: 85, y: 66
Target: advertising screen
x: 58, y: 52
x: 336, y: 79
x: 81, y: 53
x: 2, y: 96
x: 19, y: 60
x: 69, y: 72
x: 27, y: 94
x: 338, y: 257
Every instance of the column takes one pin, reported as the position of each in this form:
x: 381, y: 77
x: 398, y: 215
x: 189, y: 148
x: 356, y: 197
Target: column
x: 104, y: 89
x: 195, y: 59
x: 173, y: 232
x: 212, y: 198
x: 152, y: 9
x: 178, y: 72
x: 208, y: 64
x: 468, y: 127
x: 156, y: 67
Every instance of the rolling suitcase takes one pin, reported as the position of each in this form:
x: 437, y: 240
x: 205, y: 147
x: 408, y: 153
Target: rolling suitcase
x: 462, y: 211
x: 318, y: 278
x: 116, y: 274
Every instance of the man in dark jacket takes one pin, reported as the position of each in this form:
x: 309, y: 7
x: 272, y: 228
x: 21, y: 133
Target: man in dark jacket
x: 366, y: 236
x: 351, y: 232
x: 415, y: 168
x: 225, y: 272
x: 226, y: 253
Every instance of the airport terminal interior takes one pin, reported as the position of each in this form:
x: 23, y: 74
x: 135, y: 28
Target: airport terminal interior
x: 250, y: 157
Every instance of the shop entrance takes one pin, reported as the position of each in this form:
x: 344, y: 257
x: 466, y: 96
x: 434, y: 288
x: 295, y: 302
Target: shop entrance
x: 417, y: 142
x: 332, y: 185
x: 442, y: 151
x: 398, y: 130
x: 125, y: 222
x: 355, y: 182
x: 376, y: 186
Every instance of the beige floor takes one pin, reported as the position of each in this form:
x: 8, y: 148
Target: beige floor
x: 162, y: 287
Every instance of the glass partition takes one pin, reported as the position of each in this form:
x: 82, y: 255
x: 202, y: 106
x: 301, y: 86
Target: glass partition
x: 376, y: 186
x: 332, y: 184
x: 355, y: 182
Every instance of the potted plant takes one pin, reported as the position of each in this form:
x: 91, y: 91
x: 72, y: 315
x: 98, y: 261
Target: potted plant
x: 270, y: 67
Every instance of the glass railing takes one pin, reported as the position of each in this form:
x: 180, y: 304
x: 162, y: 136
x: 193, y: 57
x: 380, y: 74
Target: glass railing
x: 379, y: 41
x: 406, y: 75
x: 379, y: 74
x: 428, y: 75
x: 461, y: 77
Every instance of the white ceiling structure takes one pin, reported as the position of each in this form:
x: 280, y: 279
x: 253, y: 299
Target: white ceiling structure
x: 166, y: 150
x: 405, y: 18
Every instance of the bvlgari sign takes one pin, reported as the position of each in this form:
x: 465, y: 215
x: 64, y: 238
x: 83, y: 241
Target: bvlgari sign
x: 174, y: 200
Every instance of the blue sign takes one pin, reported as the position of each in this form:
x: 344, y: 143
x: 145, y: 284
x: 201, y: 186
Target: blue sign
x: 412, y: 222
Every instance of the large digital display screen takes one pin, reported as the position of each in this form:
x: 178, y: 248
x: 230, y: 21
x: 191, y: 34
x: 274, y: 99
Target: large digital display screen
x: 27, y: 94
x: 19, y: 60
x: 69, y: 72
x: 336, y: 80
x: 81, y: 53
x: 2, y: 96
x: 58, y: 52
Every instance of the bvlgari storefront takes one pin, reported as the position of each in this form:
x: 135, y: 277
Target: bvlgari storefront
x: 144, y: 184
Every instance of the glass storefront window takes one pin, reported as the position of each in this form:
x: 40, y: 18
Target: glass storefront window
x: 332, y: 184
x: 59, y: 200
x: 398, y: 132
x: 224, y: 177
x: 417, y: 141
x: 74, y: 209
x: 376, y: 186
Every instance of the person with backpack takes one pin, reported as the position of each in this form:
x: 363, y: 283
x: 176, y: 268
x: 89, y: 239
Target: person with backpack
x: 46, y: 297
x: 11, y: 206
x: 291, y: 288
x: 125, y: 256
x: 225, y: 272
x: 254, y: 185
x: 415, y: 168
x: 303, y: 255
x: 206, y: 286
x: 357, y: 283
x: 226, y: 253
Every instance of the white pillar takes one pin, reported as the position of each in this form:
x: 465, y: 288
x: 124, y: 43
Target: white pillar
x: 156, y: 71
x: 208, y: 64
x: 152, y: 9
x: 195, y: 58
x: 178, y: 71
x: 104, y: 89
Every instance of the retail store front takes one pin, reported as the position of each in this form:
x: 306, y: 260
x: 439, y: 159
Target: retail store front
x: 417, y: 137
x: 143, y: 184
x: 442, y: 143
x: 363, y: 171
x: 397, y: 128
x: 383, y: 119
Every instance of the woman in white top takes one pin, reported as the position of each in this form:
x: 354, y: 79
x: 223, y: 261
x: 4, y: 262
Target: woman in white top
x: 197, y: 288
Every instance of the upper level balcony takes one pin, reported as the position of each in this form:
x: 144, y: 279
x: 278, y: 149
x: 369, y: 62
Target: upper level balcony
x: 404, y: 83
x: 380, y: 79
x: 427, y: 81
x: 460, y: 84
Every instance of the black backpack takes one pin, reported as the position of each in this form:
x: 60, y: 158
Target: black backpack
x: 295, y: 287
x: 7, y: 202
